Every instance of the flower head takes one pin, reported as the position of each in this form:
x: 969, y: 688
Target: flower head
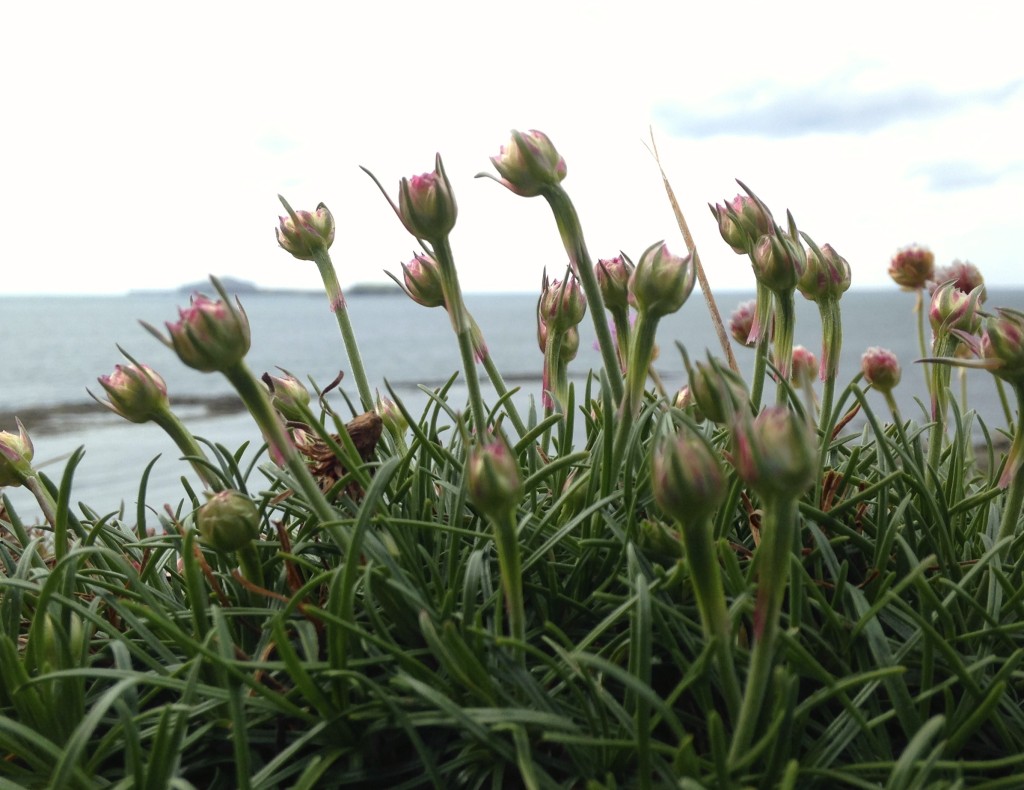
x: 912, y: 267
x: 423, y: 282
x: 718, y: 392
x: 741, y: 323
x: 778, y: 261
x: 661, y: 282
x: 613, y: 280
x: 136, y: 392
x: 952, y: 309
x: 229, y: 521
x: 804, y: 366
x: 209, y: 335
x: 288, y: 395
x: 305, y: 234
x: 965, y: 276
x: 774, y: 453
x: 426, y: 203
x: 881, y: 368
x: 492, y: 478
x: 742, y: 221
x: 1002, y: 344
x: 562, y: 303
x: 16, y: 453
x: 826, y: 275
x: 686, y: 478
x: 529, y: 164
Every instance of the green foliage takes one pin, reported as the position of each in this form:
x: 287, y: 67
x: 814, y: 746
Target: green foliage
x: 377, y: 651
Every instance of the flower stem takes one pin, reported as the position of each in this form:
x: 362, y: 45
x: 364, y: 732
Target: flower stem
x: 785, y: 326
x: 336, y: 299
x: 572, y: 238
x: 510, y: 565
x: 463, y: 325
x: 773, y: 556
x: 1015, y: 492
x: 189, y: 447
x: 641, y: 351
x: 831, y: 347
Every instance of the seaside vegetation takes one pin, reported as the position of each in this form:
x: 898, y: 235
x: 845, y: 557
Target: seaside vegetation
x: 618, y: 587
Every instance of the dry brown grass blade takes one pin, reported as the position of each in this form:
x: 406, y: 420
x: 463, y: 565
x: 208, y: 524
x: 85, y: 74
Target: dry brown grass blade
x: 705, y: 288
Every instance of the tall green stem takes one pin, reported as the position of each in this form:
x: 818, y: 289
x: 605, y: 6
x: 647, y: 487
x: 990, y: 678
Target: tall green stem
x: 641, y: 352
x: 763, y: 314
x: 1015, y: 492
x: 785, y: 326
x: 510, y: 565
x: 463, y: 325
x: 189, y: 447
x: 572, y: 238
x: 773, y: 555
x: 831, y: 348
x: 336, y: 299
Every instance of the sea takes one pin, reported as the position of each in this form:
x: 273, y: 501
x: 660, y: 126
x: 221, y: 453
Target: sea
x: 53, y: 348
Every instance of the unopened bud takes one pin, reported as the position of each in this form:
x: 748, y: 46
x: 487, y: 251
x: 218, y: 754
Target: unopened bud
x: 881, y: 368
x: 228, y: 521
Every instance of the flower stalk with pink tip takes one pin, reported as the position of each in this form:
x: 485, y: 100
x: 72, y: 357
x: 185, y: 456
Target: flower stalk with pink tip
x: 308, y: 236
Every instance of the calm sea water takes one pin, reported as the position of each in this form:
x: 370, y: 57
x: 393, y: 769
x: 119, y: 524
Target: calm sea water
x: 53, y: 348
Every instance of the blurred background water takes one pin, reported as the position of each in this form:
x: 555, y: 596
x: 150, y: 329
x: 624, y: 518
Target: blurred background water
x: 53, y: 348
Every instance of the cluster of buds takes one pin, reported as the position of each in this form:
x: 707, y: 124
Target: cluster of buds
x: 288, y: 395
x: 912, y: 267
x: 229, y: 521
x: 492, y: 479
x: 742, y: 222
x: 661, y: 282
x: 881, y: 369
x: 774, y: 453
x: 136, y: 392
x: 826, y: 274
x: 613, y: 280
x: 686, y: 478
x: 304, y: 234
x: 209, y: 335
x: 423, y: 281
x: 16, y: 453
x: 529, y: 165
x: 560, y: 309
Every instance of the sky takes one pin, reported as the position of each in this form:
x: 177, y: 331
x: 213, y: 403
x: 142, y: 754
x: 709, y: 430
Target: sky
x: 144, y: 144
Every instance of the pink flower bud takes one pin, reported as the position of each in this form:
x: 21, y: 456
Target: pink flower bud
x: 718, y: 392
x: 305, y: 234
x: 826, y: 276
x: 228, y: 522
x: 426, y: 204
x: 742, y: 222
x: 562, y: 303
x: 529, y: 164
x: 1003, y: 343
x: 16, y: 453
x: 805, y: 366
x: 613, y: 279
x: 661, y: 282
x: 686, y: 478
x: 952, y: 309
x: 209, y: 335
x: 492, y: 479
x: 778, y: 262
x: 391, y: 416
x: 775, y: 453
x: 741, y: 324
x: 288, y: 395
x: 911, y: 267
x: 136, y: 392
x: 881, y: 368
x: 423, y: 281
x: 965, y: 275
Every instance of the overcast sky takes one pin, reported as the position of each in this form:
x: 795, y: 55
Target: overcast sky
x: 144, y: 143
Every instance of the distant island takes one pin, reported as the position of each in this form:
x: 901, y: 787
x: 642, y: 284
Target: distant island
x: 239, y: 287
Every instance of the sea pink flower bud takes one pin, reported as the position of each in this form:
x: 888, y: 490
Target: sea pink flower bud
x: 562, y: 303
x: 741, y: 323
x: 778, y: 261
x: 305, y: 234
x: 391, y: 416
x: 613, y: 279
x: 16, y: 453
x: 805, y: 366
x: 288, y: 395
x: 136, y: 392
x: 775, y: 453
x: 426, y: 203
x: 661, y: 282
x: 952, y: 309
x: 965, y: 275
x: 686, y: 478
x: 742, y: 222
x: 529, y: 164
x: 881, y: 368
x: 210, y: 335
x: 911, y: 267
x: 825, y: 276
x: 718, y: 392
x: 492, y: 478
x: 1003, y: 342
x: 423, y: 281
x: 228, y: 522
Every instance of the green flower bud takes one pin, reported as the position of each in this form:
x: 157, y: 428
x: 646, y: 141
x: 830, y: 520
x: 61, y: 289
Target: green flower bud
x: 778, y: 261
x: 1003, y: 343
x: 426, y: 204
x: 661, y: 282
x: 826, y: 276
x: 423, y: 282
x: 774, y: 453
x: 288, y: 395
x: 136, y: 392
x: 718, y: 392
x: 209, y: 335
x: 686, y: 478
x: 229, y: 521
x: 529, y: 164
x: 15, y: 457
x: 305, y: 234
x: 613, y: 279
x: 881, y: 368
x: 493, y: 481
